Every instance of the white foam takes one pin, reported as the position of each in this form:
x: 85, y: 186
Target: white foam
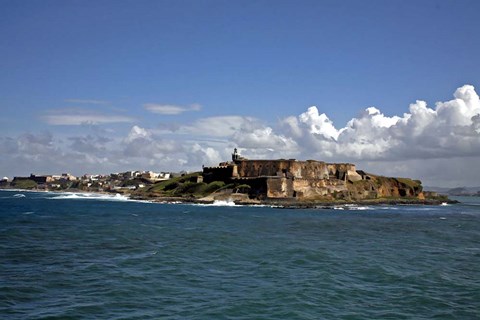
x: 216, y: 203
x: 360, y: 208
x: 388, y: 208
x: 91, y: 196
x: 223, y: 203
x: 19, y: 195
x: 356, y: 207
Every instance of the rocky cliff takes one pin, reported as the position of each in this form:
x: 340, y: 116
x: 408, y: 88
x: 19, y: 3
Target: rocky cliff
x: 383, y: 187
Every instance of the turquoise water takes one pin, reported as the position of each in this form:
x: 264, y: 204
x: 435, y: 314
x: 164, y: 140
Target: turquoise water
x: 77, y: 257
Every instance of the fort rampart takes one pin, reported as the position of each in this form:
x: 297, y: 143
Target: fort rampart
x: 308, y: 179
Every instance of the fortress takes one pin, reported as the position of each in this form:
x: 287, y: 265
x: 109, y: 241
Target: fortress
x: 308, y: 180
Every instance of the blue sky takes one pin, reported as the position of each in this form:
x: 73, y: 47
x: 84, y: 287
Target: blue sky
x: 171, y: 85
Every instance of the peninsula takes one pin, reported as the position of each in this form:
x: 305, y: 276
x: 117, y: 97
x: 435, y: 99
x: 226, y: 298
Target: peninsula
x: 290, y: 183
x: 311, y: 182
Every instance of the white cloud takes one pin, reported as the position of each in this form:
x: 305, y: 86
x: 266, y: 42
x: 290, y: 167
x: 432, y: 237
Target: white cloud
x: 318, y: 124
x: 264, y: 138
x: 169, y: 109
x: 204, y: 154
x: 137, y: 133
x: 292, y: 126
x: 459, y: 112
x: 84, y: 119
x: 222, y: 126
x: 141, y: 142
x: 449, y: 130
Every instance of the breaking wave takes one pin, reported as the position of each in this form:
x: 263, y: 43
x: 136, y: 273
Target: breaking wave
x: 223, y: 203
x: 19, y: 195
x: 352, y: 207
x: 91, y: 196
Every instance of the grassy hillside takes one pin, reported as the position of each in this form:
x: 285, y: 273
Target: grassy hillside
x: 24, y: 184
x: 185, y: 185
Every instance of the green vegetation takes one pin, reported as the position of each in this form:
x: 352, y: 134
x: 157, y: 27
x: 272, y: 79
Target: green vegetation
x: 24, y: 184
x: 214, y: 186
x: 190, y: 185
x: 186, y: 185
x: 194, y: 188
x: 133, y: 182
x: 409, y: 182
x: 169, y: 186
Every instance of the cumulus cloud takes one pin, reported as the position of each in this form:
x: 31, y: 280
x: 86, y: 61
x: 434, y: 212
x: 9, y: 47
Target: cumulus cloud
x: 29, y: 152
x: 264, y: 138
x: 89, y: 144
x: 318, y: 124
x: 205, y: 154
x: 169, y: 109
x: 137, y: 133
x: 141, y: 142
x: 449, y: 129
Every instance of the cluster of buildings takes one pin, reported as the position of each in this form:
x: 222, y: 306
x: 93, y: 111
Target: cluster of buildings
x: 129, y: 180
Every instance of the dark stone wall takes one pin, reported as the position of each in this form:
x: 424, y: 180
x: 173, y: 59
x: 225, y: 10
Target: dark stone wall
x: 256, y: 168
x: 283, y: 168
x: 223, y: 173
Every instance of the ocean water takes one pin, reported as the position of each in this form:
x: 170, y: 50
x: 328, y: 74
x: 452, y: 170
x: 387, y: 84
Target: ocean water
x: 65, y: 256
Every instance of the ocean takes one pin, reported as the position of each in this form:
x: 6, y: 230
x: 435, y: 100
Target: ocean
x: 72, y: 256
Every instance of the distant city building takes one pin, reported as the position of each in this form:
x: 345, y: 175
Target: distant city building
x: 154, y: 176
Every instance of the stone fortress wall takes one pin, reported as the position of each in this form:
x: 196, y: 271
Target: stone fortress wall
x: 282, y: 178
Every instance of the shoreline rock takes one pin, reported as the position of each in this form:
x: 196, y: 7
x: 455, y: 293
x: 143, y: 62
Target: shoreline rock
x: 281, y: 203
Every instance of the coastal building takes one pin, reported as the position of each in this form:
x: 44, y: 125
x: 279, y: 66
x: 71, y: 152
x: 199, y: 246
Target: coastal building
x: 43, y: 179
x: 4, y: 182
x: 154, y: 176
x: 68, y: 177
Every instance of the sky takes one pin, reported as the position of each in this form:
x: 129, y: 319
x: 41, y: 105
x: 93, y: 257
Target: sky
x: 110, y: 86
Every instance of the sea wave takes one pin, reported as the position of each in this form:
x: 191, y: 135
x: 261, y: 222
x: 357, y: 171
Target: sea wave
x: 91, y: 196
x: 352, y: 207
x: 14, y: 196
x: 216, y: 203
x: 19, y: 195
x: 318, y: 262
x: 223, y: 203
